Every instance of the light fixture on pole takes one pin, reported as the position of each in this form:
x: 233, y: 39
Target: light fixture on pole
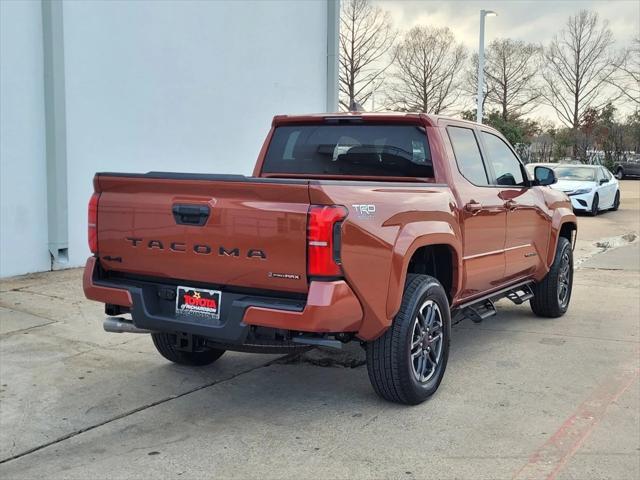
x: 483, y: 13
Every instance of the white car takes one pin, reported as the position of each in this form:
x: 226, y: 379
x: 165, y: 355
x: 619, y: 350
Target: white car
x: 591, y: 188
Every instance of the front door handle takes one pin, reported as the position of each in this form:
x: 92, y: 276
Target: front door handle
x: 473, y: 207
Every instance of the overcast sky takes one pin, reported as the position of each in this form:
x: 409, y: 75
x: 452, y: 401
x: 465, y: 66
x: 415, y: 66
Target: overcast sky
x: 531, y: 21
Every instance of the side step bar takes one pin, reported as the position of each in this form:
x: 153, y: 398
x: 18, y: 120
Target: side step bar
x: 478, y: 310
x: 521, y: 294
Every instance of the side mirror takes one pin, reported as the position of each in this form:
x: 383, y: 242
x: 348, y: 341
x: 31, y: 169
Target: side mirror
x: 544, y: 176
x: 603, y: 181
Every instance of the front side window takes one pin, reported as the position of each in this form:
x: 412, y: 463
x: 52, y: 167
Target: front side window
x: 467, y: 153
x: 506, y: 165
x: 366, y: 150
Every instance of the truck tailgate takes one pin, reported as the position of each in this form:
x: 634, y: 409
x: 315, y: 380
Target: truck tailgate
x: 215, y: 229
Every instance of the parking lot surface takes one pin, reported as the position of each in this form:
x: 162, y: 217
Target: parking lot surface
x: 523, y: 397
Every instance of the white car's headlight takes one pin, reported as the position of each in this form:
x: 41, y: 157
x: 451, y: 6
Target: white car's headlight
x: 581, y: 191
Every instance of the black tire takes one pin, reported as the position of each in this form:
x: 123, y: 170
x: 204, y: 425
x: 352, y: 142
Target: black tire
x: 391, y: 359
x: 548, y: 299
x: 165, y: 344
x: 595, y: 205
x: 616, y: 202
x: 620, y: 173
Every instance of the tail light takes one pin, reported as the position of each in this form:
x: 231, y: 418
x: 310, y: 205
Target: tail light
x: 323, y: 240
x: 93, y: 223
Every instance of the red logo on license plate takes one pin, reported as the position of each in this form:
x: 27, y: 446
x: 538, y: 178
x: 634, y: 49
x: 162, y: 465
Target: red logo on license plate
x: 200, y: 302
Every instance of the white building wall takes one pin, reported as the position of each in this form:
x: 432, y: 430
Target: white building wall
x: 174, y: 86
x: 23, y: 213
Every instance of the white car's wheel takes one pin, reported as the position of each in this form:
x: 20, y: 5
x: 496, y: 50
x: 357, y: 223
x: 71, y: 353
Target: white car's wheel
x: 616, y: 202
x: 595, y: 205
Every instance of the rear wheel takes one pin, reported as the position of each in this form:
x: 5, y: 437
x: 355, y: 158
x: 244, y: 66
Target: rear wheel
x: 620, y: 173
x: 198, y: 355
x: 552, y: 295
x: 595, y: 205
x: 406, y: 364
x: 616, y: 202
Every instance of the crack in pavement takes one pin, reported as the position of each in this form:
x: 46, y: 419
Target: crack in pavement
x: 136, y: 410
x: 25, y: 290
x: 27, y: 329
x: 22, y: 310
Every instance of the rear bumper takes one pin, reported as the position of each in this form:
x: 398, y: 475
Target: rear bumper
x: 330, y: 307
x: 103, y: 293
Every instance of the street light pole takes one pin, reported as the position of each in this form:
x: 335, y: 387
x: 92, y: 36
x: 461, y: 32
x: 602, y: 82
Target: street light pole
x: 483, y: 14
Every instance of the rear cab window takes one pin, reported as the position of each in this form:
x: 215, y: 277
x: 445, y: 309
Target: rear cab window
x: 370, y: 150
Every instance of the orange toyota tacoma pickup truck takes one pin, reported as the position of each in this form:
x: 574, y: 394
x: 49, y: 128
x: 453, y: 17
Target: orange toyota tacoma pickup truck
x: 376, y: 228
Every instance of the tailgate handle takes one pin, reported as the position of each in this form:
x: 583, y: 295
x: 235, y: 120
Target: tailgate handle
x: 190, y: 214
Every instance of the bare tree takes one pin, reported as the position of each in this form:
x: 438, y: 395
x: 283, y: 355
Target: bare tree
x: 627, y: 78
x: 366, y: 35
x: 578, y: 65
x: 510, y: 71
x: 541, y: 147
x: 426, y: 75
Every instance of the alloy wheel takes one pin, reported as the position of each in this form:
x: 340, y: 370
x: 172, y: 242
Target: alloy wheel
x: 426, y: 341
x: 564, y: 280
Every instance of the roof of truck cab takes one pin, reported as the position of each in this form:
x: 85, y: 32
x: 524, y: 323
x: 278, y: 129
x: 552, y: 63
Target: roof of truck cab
x: 393, y: 117
x: 427, y: 120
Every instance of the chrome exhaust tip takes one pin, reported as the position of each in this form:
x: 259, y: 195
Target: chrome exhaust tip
x: 121, y: 325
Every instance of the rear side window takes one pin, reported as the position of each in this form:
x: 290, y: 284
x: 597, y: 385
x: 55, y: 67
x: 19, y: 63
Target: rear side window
x: 506, y: 165
x: 467, y: 152
x: 367, y: 150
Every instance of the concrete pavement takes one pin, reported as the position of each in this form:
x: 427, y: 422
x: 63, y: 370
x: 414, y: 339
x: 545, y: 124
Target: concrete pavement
x: 523, y: 397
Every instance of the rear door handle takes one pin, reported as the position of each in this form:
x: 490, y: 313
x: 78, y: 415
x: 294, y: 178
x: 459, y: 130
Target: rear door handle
x: 473, y: 207
x: 196, y: 215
